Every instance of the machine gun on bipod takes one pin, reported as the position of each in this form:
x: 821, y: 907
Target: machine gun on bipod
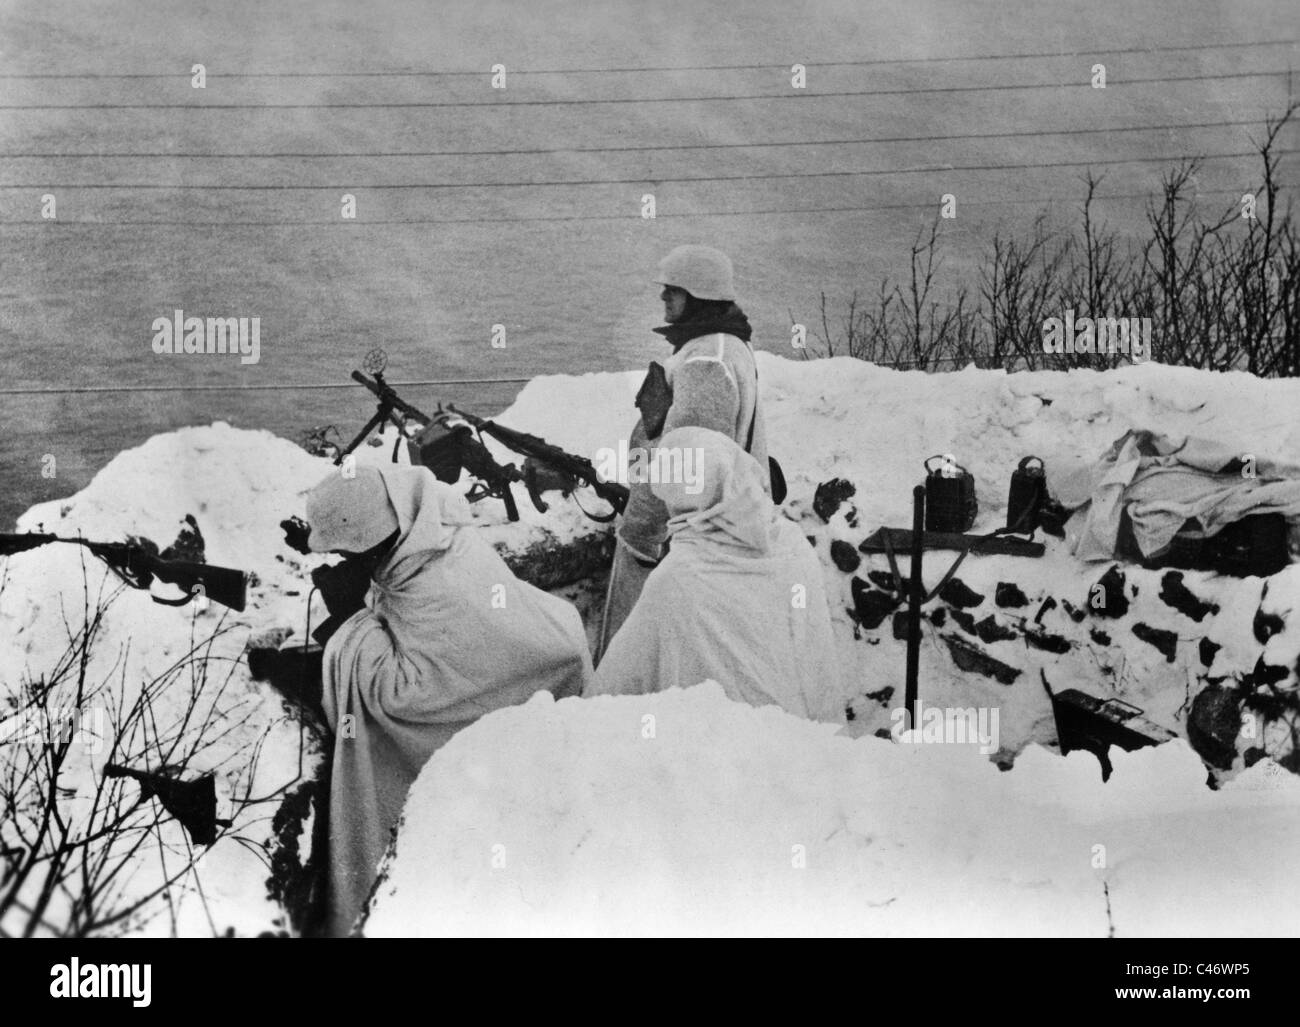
x: 451, y: 441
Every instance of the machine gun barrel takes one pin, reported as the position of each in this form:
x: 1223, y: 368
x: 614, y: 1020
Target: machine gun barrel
x: 385, y: 394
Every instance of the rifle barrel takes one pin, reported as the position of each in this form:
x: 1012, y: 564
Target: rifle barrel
x: 223, y: 585
x: 21, y: 542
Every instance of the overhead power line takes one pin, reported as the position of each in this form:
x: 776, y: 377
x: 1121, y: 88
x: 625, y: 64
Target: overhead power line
x: 647, y: 148
x: 793, y: 94
x: 638, y: 180
x: 1100, y: 52
x: 351, y: 225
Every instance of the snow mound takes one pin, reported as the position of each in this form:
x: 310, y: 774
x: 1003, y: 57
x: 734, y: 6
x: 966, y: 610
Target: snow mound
x: 237, y: 485
x: 837, y: 418
x: 685, y: 813
x: 875, y: 427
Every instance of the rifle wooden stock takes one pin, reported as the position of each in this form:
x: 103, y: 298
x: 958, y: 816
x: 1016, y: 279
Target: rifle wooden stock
x: 223, y: 585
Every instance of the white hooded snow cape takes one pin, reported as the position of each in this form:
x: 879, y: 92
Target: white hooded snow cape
x: 723, y: 604
x: 449, y: 634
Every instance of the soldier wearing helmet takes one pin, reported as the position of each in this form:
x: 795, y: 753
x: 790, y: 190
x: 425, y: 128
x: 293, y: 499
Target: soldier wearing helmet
x: 709, y: 381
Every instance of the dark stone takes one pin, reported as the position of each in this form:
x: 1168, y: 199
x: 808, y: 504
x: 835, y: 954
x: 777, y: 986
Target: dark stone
x: 964, y: 620
x: 1266, y: 625
x: 1048, y: 642
x: 1265, y: 674
x: 1208, y: 650
x: 1259, y: 695
x: 871, y: 605
x: 885, y: 581
x: 1165, y: 641
x: 939, y: 616
x: 1177, y: 595
x: 883, y: 732
x: 1253, y: 755
x: 829, y: 496
x: 955, y: 592
x: 881, y: 695
x: 1100, y: 637
x: 1008, y: 594
x: 989, y: 631
x: 1048, y: 604
x: 1075, y: 613
x: 849, y: 714
x: 1213, y: 725
x: 812, y: 540
x: 972, y: 658
x: 845, y: 556
x: 1111, y: 601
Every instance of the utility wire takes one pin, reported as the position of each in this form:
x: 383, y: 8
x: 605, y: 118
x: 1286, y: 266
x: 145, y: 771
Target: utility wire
x: 638, y: 180
x: 872, y: 62
x: 793, y: 94
x: 340, y: 223
x: 541, y: 151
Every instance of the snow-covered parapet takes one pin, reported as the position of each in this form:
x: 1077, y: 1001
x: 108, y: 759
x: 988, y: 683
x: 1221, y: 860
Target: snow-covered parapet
x: 236, y: 485
x: 874, y: 427
x: 827, y: 419
x: 686, y: 813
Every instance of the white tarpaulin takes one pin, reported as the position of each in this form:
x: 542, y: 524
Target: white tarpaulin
x: 1164, y: 482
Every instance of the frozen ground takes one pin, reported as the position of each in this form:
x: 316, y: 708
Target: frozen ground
x: 685, y: 813
x: 828, y: 419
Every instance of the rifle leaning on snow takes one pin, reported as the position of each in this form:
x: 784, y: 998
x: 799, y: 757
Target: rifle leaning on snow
x: 138, y: 566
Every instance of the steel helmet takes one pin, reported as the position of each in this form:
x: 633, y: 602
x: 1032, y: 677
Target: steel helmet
x: 351, y: 514
x: 700, y: 270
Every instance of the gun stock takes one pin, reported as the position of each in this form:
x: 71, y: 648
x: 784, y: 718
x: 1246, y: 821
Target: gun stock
x: 223, y: 585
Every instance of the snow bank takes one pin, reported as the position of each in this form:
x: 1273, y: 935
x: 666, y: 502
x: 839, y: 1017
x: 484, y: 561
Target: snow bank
x: 685, y: 813
x: 237, y: 485
x: 834, y: 418
x: 875, y: 427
